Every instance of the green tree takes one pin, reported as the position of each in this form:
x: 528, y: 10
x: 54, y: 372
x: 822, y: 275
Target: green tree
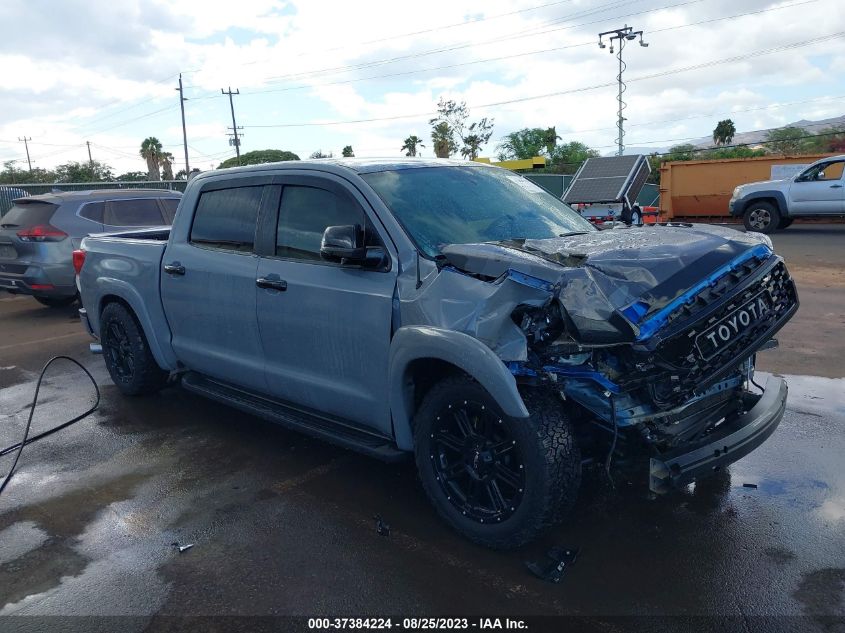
x: 466, y: 136
x: 93, y: 171
x: 411, y: 144
x: 724, y: 132
x: 259, y: 157
x: 132, y: 176
x: 522, y: 144
x: 828, y: 140
x: 785, y: 140
x: 151, y: 151
x: 319, y: 154
x: 167, y: 166
x: 348, y: 152
x: 11, y: 175
x: 550, y: 139
x: 182, y: 174
x: 567, y: 158
x: 443, y: 140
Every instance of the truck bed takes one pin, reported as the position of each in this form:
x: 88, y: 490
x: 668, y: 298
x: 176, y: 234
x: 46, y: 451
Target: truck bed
x: 128, y: 265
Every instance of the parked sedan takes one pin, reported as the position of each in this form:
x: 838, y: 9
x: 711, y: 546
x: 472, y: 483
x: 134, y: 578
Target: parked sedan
x: 39, y: 233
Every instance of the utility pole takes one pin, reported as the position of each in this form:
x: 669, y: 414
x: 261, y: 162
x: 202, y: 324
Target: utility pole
x: 234, y: 128
x: 90, y: 160
x: 621, y: 36
x: 26, y: 145
x: 182, y: 101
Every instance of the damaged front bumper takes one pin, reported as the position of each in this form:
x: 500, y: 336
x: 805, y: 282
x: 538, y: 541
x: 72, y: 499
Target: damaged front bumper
x: 729, y: 442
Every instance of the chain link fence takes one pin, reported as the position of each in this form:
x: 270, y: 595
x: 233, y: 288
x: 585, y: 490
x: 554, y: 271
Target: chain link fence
x: 8, y: 193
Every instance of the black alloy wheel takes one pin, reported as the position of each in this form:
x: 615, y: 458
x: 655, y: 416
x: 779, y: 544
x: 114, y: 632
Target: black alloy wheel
x: 476, y: 461
x: 119, y: 349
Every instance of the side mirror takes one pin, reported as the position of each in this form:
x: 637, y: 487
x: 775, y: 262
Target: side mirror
x: 344, y: 243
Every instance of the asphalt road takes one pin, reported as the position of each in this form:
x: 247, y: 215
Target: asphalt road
x: 283, y: 525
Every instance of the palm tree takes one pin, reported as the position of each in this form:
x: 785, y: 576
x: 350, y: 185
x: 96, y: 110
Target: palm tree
x: 443, y: 140
x: 724, y: 132
x: 167, y: 166
x: 151, y: 152
x: 411, y: 145
x: 550, y: 139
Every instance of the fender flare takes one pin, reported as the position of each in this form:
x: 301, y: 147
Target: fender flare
x: 756, y: 196
x: 412, y: 343
x: 109, y: 286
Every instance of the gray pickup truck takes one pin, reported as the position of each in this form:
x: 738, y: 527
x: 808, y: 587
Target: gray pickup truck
x: 457, y: 312
x: 815, y: 192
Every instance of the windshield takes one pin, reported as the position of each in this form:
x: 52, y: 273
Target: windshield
x: 27, y: 214
x: 465, y: 205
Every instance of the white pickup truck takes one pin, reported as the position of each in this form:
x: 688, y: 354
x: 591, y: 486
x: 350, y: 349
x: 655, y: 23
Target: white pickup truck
x: 817, y: 192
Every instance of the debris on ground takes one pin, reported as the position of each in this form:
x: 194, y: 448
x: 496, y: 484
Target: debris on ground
x: 558, y: 559
x: 182, y: 548
x: 382, y: 528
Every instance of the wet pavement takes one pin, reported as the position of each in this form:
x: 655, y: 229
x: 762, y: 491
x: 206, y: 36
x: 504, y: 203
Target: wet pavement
x: 283, y: 525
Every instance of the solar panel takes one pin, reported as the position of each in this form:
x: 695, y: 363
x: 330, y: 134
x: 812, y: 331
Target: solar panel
x: 608, y: 179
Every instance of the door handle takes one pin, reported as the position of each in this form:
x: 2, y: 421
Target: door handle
x: 836, y: 186
x: 271, y: 284
x: 174, y: 269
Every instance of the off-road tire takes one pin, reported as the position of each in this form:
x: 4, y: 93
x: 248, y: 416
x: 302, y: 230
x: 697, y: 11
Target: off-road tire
x: 55, y: 302
x: 548, y: 450
x: 145, y: 376
x: 761, y: 217
x: 785, y: 223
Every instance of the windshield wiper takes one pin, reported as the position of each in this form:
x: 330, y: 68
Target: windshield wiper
x: 9, y: 226
x: 571, y: 233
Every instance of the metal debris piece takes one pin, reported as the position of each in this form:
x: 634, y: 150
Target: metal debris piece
x: 551, y: 570
x: 382, y: 528
x: 749, y: 486
x: 182, y: 548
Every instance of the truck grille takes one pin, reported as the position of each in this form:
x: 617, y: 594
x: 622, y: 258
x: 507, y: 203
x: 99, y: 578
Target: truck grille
x: 718, y: 342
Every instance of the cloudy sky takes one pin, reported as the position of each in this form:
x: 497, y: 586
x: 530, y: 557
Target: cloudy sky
x: 324, y: 74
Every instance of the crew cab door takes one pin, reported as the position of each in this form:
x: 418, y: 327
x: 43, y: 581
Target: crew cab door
x: 325, y: 327
x: 208, y: 285
x: 818, y: 190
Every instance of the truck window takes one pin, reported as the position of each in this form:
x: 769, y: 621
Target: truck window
x: 170, y: 205
x: 825, y: 171
x: 305, y: 213
x: 137, y: 212
x: 226, y: 218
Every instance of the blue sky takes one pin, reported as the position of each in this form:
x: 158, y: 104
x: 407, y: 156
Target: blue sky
x: 105, y: 72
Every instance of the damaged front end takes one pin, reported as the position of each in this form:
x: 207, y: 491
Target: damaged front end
x: 651, y: 331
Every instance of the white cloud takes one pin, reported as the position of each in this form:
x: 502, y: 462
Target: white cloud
x: 106, y: 73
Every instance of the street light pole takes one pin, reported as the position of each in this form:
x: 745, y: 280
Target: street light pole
x: 620, y: 37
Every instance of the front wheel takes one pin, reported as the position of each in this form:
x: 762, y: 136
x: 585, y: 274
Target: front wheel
x: 499, y: 481
x: 128, y: 358
x: 761, y: 217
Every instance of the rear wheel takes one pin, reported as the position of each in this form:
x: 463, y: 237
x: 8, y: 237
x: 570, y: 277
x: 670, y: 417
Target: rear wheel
x: 636, y: 217
x: 55, y: 302
x: 128, y: 358
x: 762, y: 217
x: 497, y: 480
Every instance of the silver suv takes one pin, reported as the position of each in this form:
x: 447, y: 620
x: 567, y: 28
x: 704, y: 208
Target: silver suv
x: 815, y: 192
x: 39, y: 233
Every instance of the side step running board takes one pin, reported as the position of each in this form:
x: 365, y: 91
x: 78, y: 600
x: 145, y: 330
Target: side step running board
x: 328, y: 429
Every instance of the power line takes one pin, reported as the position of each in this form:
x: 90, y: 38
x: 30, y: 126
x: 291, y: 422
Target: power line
x: 500, y: 58
x: 576, y: 90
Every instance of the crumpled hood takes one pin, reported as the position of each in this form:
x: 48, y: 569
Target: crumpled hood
x: 602, y: 272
